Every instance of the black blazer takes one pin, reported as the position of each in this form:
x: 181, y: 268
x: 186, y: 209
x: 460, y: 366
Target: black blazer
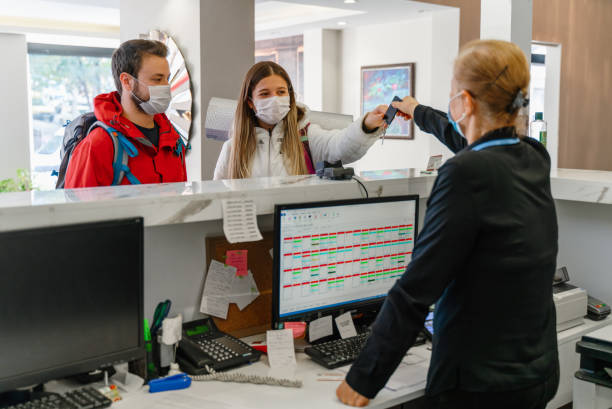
x: 486, y: 256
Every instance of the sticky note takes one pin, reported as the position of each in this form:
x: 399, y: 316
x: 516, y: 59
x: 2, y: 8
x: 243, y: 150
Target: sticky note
x: 298, y: 328
x: 238, y: 259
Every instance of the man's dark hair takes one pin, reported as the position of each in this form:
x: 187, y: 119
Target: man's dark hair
x: 128, y: 57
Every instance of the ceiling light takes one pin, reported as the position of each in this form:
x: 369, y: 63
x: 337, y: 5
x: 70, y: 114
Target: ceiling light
x: 341, y: 23
x: 350, y: 1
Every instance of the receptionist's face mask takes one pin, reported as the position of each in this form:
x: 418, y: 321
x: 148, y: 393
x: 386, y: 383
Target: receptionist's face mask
x: 450, y: 117
x: 272, y: 110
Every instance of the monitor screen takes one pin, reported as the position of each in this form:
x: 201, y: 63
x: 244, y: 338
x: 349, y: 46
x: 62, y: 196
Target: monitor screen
x: 341, y: 254
x: 71, y: 300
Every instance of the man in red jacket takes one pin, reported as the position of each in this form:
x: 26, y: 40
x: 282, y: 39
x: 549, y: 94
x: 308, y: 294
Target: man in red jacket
x: 136, y: 110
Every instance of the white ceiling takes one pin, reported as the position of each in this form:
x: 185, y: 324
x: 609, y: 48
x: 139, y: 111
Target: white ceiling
x: 328, y: 13
x: 104, y: 12
x: 273, y: 18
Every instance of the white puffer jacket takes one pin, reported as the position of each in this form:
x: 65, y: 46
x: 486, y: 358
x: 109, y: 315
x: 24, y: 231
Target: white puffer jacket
x: 346, y: 145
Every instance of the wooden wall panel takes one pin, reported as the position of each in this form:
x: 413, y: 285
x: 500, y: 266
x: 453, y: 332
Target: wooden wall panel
x: 584, y: 28
x: 469, y: 17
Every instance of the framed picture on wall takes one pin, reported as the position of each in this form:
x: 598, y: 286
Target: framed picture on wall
x: 379, y: 84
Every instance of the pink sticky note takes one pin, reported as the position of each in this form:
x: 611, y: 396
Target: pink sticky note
x: 238, y: 259
x: 298, y: 328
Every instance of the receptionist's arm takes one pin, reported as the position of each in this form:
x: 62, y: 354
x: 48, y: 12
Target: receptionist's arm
x: 432, y: 121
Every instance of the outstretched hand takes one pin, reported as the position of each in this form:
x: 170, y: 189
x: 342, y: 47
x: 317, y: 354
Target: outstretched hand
x: 405, y: 107
x: 349, y: 396
x: 374, y: 119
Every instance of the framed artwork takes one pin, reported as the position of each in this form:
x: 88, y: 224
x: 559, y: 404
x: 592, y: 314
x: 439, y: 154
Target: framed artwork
x: 379, y: 84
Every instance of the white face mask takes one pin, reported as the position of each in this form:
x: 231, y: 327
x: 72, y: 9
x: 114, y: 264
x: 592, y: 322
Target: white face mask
x: 272, y: 110
x: 159, y: 99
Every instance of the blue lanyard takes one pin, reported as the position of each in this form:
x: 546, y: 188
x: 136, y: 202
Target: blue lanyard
x: 496, y: 142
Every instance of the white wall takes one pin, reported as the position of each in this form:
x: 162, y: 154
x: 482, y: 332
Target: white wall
x: 15, y: 113
x: 584, y: 246
x: 431, y: 43
x: 322, y: 88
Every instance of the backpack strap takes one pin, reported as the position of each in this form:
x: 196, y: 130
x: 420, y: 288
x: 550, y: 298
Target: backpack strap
x: 124, y: 150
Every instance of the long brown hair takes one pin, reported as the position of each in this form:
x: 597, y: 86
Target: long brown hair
x: 494, y: 72
x: 244, y: 142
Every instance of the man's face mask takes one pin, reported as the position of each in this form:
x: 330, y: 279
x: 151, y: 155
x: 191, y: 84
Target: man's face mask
x: 272, y: 110
x: 450, y: 117
x: 159, y: 99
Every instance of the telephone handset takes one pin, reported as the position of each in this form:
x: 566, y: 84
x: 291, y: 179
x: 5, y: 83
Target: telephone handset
x: 203, y: 345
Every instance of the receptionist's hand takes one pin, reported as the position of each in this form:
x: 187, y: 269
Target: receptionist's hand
x: 406, y: 107
x: 374, y: 119
x: 349, y: 396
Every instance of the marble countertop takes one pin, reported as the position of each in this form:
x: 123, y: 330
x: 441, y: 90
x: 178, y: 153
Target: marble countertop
x: 200, y: 201
x: 591, y: 186
x: 188, y: 202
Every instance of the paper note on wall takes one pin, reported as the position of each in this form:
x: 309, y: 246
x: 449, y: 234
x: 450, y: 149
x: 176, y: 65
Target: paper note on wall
x: 320, y: 328
x: 216, y: 289
x: 244, y: 290
x: 238, y: 259
x: 240, y: 221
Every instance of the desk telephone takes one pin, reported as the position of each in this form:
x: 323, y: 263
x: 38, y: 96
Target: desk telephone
x: 204, y: 350
x: 204, y: 345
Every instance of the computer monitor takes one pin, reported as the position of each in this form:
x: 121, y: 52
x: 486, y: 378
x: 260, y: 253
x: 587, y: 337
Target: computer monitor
x: 71, y: 300
x: 340, y: 255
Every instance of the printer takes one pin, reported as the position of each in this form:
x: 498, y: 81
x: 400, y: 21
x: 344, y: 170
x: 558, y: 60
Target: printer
x: 570, y: 301
x: 593, y: 381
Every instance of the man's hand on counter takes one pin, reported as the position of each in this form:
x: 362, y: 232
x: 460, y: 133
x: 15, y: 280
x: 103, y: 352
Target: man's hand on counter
x: 349, y: 396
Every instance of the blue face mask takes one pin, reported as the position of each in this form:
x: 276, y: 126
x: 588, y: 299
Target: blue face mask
x: 452, y: 121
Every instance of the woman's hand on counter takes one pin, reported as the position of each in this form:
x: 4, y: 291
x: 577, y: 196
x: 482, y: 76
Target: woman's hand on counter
x: 406, y: 107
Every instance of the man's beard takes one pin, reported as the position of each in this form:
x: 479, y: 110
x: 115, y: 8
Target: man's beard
x: 136, y: 99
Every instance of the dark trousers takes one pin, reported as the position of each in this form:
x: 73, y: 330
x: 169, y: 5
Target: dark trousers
x: 535, y: 397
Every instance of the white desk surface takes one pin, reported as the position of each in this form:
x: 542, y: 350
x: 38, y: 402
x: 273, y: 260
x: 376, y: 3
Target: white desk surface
x: 313, y: 393
x: 572, y: 334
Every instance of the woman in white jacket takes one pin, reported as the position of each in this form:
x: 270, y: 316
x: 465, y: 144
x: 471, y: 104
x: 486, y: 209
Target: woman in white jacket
x: 272, y: 135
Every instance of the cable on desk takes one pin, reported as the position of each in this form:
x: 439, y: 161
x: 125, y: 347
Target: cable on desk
x: 243, y: 378
x: 362, y: 185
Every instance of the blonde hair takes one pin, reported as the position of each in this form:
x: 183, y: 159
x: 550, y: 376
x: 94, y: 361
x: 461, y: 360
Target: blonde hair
x: 496, y: 73
x: 244, y: 142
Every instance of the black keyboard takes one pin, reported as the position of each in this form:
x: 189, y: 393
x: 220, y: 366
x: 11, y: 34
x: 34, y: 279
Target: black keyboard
x: 85, y: 398
x: 339, y: 352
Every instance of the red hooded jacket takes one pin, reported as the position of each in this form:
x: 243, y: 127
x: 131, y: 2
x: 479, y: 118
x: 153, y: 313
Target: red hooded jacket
x: 91, y: 163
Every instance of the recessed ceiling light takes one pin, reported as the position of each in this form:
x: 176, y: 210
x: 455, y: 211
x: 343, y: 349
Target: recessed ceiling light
x: 350, y: 1
x: 341, y: 23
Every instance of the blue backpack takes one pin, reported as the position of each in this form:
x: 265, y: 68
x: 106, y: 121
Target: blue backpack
x: 78, y: 129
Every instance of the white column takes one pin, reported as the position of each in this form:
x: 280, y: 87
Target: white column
x: 228, y: 51
x: 445, y: 47
x: 15, y: 113
x: 508, y: 20
x: 322, y: 50
x: 217, y: 40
